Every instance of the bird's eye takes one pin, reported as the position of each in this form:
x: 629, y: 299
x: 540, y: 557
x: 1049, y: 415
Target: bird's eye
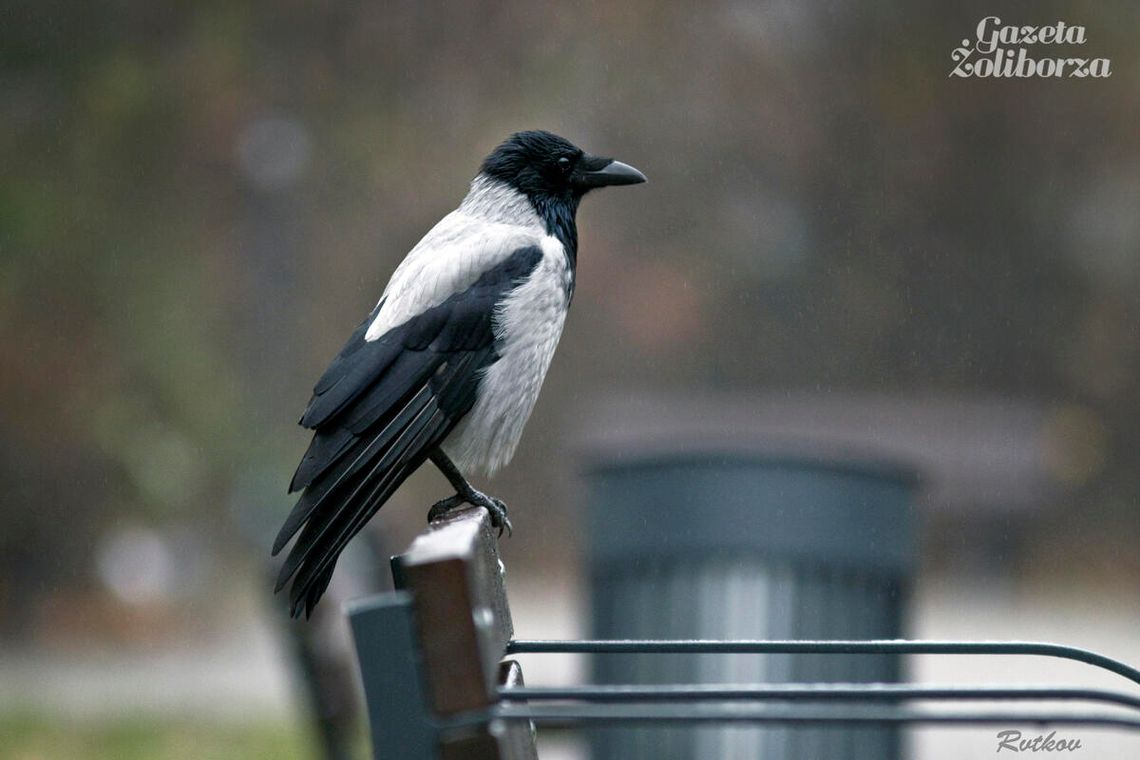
x: 564, y: 164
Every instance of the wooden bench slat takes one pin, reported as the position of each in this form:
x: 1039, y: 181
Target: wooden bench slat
x: 455, y: 576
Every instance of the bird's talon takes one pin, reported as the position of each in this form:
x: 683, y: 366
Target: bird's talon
x: 496, y: 508
x: 441, y: 508
x: 499, y: 517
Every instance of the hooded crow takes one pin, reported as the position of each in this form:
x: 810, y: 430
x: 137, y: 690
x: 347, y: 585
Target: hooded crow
x: 449, y: 363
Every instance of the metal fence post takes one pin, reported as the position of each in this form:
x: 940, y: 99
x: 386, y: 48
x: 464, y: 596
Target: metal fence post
x: 391, y: 671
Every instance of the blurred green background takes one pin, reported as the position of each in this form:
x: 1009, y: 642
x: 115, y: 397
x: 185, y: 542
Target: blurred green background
x: 200, y: 200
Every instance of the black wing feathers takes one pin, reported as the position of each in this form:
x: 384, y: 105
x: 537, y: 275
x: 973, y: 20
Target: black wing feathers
x: 378, y: 411
x: 340, y: 370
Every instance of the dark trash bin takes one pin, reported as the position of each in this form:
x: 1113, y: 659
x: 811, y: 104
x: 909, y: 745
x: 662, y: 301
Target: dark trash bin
x: 748, y: 546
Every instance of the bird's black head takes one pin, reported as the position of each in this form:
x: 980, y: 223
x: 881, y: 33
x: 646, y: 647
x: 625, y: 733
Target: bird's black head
x: 546, y: 167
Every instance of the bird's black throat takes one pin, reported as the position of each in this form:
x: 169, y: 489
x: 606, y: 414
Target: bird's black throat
x: 558, y: 216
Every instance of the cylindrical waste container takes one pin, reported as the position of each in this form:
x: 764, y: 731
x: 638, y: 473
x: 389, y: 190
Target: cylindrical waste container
x: 755, y: 546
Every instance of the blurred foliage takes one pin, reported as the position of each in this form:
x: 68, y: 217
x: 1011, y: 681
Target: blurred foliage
x: 34, y: 737
x: 201, y: 199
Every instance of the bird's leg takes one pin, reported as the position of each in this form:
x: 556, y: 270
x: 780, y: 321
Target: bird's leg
x: 465, y: 493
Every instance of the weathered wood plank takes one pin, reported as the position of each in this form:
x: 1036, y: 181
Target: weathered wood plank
x: 463, y: 619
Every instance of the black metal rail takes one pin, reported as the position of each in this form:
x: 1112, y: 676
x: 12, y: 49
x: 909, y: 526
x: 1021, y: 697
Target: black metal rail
x: 578, y: 715
x: 758, y: 646
x: 821, y: 704
x: 610, y: 694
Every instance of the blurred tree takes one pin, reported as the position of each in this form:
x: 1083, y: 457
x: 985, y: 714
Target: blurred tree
x: 201, y: 199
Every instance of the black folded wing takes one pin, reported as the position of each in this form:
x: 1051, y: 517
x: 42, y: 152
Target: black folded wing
x: 378, y: 411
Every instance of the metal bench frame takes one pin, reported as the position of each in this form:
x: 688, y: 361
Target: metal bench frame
x: 437, y: 686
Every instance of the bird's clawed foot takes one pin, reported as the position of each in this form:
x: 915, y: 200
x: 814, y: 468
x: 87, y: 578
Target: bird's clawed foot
x: 475, y: 498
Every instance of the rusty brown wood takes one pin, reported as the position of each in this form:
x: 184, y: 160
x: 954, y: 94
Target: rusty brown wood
x: 460, y: 607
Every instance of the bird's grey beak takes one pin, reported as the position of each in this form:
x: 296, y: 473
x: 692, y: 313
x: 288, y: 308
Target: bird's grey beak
x: 611, y: 173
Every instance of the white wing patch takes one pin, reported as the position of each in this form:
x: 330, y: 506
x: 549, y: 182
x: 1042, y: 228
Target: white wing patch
x: 456, y: 252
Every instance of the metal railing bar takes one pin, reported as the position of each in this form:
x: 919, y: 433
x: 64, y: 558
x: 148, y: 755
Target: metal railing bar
x: 759, y: 646
x: 810, y: 692
x: 578, y: 715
